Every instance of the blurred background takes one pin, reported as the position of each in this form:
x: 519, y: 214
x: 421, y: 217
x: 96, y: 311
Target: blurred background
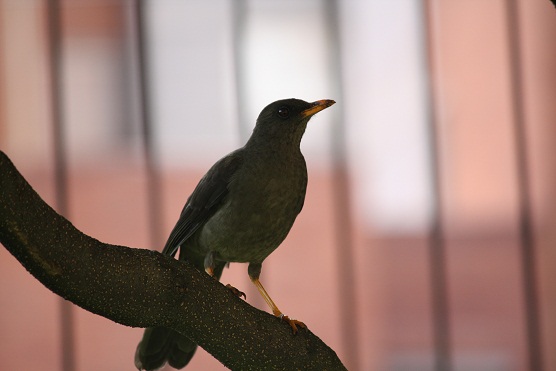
x: 427, y: 240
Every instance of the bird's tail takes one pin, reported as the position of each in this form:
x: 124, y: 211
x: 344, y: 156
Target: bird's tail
x: 160, y: 345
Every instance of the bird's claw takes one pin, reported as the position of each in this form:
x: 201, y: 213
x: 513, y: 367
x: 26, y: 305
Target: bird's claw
x: 236, y: 292
x: 292, y: 322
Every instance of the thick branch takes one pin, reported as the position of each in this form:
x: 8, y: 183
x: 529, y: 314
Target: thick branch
x: 142, y: 288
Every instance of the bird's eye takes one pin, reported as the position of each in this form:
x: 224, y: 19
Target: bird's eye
x: 283, y: 112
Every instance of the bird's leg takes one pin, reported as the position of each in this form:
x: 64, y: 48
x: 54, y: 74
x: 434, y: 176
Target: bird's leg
x: 254, y: 271
x: 209, y: 263
x: 210, y: 271
x: 209, y: 268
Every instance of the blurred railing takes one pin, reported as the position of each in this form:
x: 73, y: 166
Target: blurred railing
x: 398, y: 297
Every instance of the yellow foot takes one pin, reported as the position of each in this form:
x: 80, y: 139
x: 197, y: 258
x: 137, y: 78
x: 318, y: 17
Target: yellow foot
x: 236, y: 292
x: 292, y: 322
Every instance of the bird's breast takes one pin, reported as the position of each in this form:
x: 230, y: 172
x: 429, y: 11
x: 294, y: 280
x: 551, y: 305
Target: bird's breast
x: 263, y: 202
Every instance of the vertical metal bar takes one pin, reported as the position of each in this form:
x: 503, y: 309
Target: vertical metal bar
x: 437, y: 244
x: 60, y: 163
x: 526, y: 235
x: 3, y: 114
x: 341, y: 202
x: 154, y: 189
x: 240, y: 11
x: 239, y: 20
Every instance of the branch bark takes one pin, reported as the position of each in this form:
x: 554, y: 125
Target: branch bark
x: 143, y: 288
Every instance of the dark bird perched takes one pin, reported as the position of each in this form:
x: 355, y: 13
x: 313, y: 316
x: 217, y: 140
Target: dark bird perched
x: 241, y: 211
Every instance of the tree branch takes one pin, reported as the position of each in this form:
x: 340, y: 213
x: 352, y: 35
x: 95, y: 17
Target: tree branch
x: 143, y: 288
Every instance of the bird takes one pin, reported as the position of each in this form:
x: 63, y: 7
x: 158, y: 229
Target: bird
x: 241, y: 210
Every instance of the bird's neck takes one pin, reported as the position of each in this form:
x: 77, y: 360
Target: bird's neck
x: 284, y: 142
x: 280, y: 148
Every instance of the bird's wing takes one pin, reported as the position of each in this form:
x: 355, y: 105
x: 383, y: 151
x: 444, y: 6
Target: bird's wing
x: 204, y: 201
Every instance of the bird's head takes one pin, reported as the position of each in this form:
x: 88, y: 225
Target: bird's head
x: 285, y: 120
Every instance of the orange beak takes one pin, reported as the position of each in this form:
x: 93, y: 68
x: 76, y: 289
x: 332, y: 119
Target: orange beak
x: 317, y: 106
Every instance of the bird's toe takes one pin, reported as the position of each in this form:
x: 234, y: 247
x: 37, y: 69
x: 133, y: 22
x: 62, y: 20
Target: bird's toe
x: 293, y: 323
x: 236, y: 292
